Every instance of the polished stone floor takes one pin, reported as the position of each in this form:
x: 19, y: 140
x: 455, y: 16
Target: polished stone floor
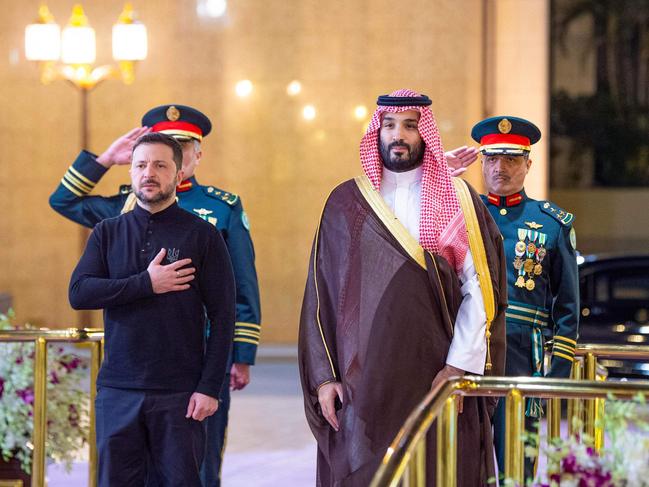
x: 269, y: 442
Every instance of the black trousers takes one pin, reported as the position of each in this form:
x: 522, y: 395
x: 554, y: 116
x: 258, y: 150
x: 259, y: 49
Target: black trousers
x: 134, y: 425
x: 216, y: 431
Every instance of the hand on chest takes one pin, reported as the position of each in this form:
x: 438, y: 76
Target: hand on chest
x: 140, y: 249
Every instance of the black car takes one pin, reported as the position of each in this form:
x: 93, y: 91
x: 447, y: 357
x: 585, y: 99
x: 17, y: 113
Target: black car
x: 614, y: 294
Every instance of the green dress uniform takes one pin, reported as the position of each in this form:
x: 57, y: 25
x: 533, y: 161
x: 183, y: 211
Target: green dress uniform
x: 542, y: 277
x: 542, y: 282
x: 543, y: 295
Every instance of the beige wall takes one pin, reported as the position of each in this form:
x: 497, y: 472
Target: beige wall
x: 517, y: 74
x: 344, y: 53
x: 613, y: 220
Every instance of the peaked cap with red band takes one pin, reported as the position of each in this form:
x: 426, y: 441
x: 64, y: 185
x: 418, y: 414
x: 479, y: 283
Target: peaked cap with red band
x: 179, y: 121
x: 442, y: 229
x: 505, y: 135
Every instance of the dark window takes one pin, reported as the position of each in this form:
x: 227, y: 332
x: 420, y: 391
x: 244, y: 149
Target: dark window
x: 630, y: 287
x: 599, y: 107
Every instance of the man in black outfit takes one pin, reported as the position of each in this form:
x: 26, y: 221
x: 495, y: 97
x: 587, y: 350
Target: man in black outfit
x: 159, y: 272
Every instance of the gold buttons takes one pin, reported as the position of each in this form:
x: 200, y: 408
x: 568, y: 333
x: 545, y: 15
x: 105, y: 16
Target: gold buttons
x: 503, y: 211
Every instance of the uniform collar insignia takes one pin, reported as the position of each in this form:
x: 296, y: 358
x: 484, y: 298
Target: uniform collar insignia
x: 533, y: 225
x: 186, y: 185
x: 511, y: 200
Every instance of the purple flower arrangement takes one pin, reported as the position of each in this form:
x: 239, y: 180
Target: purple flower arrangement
x: 67, y: 402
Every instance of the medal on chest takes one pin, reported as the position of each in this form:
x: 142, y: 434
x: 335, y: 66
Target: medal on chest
x: 529, y: 252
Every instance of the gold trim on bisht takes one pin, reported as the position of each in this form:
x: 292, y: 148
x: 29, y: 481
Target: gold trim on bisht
x: 317, y: 293
x: 129, y: 204
x: 476, y: 244
x: 394, y: 226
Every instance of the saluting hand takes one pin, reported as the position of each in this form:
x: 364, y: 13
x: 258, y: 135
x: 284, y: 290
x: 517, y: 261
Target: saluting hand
x: 166, y: 278
x: 121, y: 150
x: 460, y: 159
x: 327, y: 399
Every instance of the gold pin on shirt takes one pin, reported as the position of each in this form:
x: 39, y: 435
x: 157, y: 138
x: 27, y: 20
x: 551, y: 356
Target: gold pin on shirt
x: 533, y: 225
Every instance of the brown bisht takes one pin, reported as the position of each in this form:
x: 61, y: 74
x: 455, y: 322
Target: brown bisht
x: 378, y: 316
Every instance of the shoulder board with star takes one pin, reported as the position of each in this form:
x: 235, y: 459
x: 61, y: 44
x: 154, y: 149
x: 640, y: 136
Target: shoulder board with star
x: 216, y: 193
x: 125, y: 189
x: 562, y: 216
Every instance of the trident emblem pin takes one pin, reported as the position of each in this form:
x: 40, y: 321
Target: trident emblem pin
x: 172, y: 255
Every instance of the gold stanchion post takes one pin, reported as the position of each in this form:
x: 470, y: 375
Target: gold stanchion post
x: 95, y: 363
x: 554, y: 419
x: 420, y: 461
x: 447, y: 444
x: 40, y: 412
x: 590, y: 374
x: 514, y: 447
x: 575, y: 406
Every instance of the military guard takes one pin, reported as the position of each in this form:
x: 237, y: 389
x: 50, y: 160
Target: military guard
x: 73, y: 199
x: 539, y: 241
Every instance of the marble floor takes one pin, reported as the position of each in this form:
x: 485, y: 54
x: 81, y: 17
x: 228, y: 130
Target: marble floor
x: 269, y: 442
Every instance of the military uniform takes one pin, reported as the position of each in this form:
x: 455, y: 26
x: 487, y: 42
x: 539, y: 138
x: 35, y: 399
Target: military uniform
x: 542, y: 277
x: 224, y: 210
x: 543, y: 289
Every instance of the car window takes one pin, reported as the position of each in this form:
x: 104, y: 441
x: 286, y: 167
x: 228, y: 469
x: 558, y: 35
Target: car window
x: 601, y: 287
x: 633, y: 286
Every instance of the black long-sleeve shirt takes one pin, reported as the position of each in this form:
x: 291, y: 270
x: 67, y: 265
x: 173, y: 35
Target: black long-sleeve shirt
x: 157, y: 341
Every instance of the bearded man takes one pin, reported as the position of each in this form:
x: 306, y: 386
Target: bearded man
x: 159, y: 273
x: 393, y: 304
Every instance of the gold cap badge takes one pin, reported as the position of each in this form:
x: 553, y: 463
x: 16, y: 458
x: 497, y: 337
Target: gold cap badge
x: 172, y: 114
x: 504, y: 126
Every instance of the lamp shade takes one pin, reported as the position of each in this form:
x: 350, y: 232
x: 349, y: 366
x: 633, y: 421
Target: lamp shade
x: 78, y: 45
x: 129, y: 42
x: 42, y: 42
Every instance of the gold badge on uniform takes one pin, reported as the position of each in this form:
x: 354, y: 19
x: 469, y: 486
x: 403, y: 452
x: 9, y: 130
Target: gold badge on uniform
x: 504, y: 126
x: 520, y: 248
x: 173, y: 113
x: 533, y: 225
x: 573, y: 238
x: 530, y: 251
x: 528, y: 265
x: 518, y: 263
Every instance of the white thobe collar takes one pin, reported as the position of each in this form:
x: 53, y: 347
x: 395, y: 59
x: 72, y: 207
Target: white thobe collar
x: 402, y: 193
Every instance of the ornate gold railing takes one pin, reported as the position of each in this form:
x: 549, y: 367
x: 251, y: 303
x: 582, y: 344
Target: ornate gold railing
x: 41, y: 337
x: 405, y: 459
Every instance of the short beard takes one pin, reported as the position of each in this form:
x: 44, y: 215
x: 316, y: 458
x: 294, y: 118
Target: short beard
x: 413, y: 160
x: 164, y: 195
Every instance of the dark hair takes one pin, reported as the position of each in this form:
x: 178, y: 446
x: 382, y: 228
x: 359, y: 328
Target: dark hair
x: 160, y: 138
